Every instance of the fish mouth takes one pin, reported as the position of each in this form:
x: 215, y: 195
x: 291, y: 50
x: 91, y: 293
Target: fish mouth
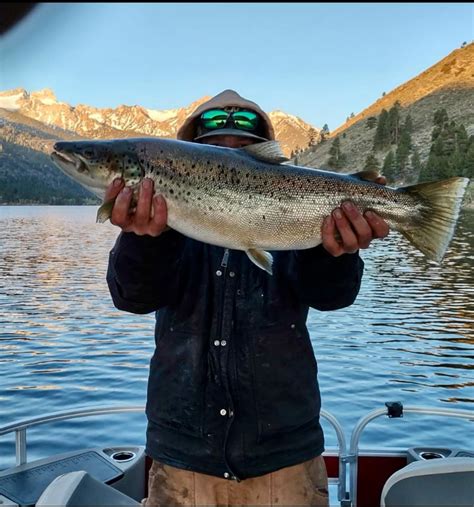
x: 69, y: 162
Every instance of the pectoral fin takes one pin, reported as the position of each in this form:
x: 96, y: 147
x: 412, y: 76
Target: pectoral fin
x: 262, y: 259
x: 105, y: 212
x: 367, y: 175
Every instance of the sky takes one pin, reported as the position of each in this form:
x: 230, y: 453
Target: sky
x: 318, y: 61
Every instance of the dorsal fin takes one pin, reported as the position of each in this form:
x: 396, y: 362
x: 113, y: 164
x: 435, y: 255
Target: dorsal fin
x: 269, y: 151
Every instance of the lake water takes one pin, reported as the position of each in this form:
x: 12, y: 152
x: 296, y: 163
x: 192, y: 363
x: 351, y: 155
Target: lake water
x: 63, y: 345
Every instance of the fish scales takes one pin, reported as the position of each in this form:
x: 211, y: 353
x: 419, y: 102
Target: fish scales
x: 246, y: 199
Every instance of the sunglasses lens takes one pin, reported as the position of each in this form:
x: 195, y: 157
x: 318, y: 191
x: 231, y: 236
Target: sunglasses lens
x: 214, y: 119
x: 217, y: 118
x: 246, y: 120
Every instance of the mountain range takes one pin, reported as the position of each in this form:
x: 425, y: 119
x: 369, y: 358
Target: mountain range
x: 448, y: 84
x: 130, y: 121
x: 30, y: 123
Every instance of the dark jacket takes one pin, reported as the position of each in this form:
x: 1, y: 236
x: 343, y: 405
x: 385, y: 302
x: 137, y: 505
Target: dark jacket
x: 233, y: 389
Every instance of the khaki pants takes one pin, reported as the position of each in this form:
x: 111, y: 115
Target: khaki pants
x: 303, y: 484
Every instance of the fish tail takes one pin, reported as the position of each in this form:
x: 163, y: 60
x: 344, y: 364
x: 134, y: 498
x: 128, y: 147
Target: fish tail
x: 441, y: 204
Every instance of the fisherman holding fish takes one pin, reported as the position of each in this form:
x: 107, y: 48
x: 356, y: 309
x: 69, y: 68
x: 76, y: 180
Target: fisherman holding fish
x: 231, y: 247
x: 219, y: 404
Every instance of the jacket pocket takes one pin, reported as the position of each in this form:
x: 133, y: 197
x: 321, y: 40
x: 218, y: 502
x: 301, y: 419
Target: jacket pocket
x: 175, y: 385
x: 285, y: 380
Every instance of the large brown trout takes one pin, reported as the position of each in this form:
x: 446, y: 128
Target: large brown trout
x: 249, y: 199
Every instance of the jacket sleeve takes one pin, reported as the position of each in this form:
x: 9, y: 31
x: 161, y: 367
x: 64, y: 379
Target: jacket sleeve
x: 325, y: 282
x: 143, y: 271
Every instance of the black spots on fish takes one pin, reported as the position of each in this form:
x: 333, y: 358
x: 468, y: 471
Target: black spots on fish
x: 188, y: 193
x: 199, y: 199
x: 263, y: 216
x: 193, y: 166
x: 171, y: 191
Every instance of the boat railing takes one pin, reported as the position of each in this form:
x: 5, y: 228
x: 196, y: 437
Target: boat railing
x: 347, y: 494
x: 352, y: 457
x: 20, y: 428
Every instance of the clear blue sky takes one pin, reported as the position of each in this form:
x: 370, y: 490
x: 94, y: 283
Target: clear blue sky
x: 315, y: 60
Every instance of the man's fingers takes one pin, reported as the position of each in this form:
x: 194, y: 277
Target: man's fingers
x: 380, y: 228
x: 349, y: 239
x: 328, y: 237
x: 120, y: 215
x: 113, y: 189
x: 160, y: 215
x: 363, y: 232
x: 143, y: 211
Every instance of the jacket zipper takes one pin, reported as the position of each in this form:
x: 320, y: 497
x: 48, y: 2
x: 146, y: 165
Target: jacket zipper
x: 225, y: 258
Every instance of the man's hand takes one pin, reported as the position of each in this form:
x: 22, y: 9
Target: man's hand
x: 355, y: 230
x: 150, y: 215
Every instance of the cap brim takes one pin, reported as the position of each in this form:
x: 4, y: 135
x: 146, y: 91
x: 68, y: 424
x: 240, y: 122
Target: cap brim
x: 230, y: 132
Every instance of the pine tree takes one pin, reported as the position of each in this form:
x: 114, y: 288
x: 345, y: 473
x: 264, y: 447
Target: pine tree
x: 415, y: 167
x: 440, y: 117
x: 371, y: 122
x: 394, y: 123
x: 324, y: 133
x: 313, y: 135
x: 402, y: 154
x: 371, y: 163
x: 389, y: 168
x: 337, y: 159
x: 468, y: 169
x: 382, y: 134
x: 408, y: 125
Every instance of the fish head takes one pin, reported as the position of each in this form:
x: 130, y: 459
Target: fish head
x: 95, y: 164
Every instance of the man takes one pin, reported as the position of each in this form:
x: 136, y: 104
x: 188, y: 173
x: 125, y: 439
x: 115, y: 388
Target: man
x: 233, y: 401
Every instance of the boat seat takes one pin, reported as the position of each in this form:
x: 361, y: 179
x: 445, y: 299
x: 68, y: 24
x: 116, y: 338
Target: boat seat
x: 80, y: 489
x: 434, y: 482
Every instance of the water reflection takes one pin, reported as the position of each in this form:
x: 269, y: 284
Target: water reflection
x: 409, y: 335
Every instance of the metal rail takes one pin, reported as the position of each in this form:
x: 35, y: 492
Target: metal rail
x: 360, y: 426
x: 20, y: 427
x: 341, y: 439
x: 348, y: 495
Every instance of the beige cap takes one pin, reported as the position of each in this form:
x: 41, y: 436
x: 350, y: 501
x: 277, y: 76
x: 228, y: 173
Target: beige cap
x: 227, y: 98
